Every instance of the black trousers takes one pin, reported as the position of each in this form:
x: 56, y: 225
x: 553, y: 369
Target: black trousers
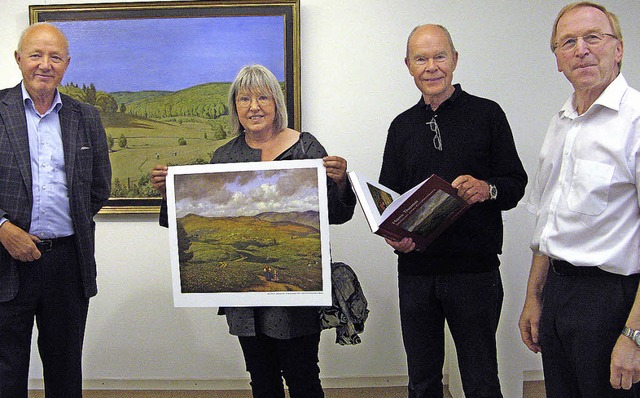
x: 268, y: 360
x: 50, y: 292
x: 582, y: 317
x: 471, y: 305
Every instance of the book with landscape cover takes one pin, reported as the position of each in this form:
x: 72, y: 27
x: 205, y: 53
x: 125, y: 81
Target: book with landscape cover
x: 422, y: 213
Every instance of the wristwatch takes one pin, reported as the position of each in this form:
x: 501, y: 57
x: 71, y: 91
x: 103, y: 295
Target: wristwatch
x: 632, y: 334
x: 493, y: 192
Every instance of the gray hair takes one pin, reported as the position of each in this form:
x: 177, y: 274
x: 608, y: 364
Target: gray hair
x: 257, y: 79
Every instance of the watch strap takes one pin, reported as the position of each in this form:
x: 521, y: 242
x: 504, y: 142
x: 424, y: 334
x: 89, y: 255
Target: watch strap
x: 493, y: 192
x: 634, y: 335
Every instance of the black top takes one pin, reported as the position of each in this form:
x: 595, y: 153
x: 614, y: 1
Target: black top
x: 476, y: 140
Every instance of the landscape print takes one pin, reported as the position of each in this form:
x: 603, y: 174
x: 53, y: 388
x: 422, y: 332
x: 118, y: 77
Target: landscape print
x: 432, y: 213
x: 161, y: 85
x: 249, y: 236
x: 382, y: 199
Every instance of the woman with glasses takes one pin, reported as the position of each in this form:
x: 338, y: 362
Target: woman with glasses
x: 276, y: 342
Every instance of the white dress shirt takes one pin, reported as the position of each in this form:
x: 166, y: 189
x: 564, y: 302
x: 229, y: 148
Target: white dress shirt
x: 586, y: 192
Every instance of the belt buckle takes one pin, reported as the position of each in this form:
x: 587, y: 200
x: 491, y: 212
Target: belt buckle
x: 45, y: 245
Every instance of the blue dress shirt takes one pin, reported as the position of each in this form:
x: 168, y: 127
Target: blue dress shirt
x: 50, y: 215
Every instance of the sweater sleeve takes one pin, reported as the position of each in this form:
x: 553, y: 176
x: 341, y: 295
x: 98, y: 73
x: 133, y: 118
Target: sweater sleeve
x: 507, y: 172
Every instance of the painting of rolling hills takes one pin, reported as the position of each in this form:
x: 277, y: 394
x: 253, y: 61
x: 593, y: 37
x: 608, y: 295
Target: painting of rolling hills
x: 249, y: 233
x: 262, y: 253
x: 160, y: 79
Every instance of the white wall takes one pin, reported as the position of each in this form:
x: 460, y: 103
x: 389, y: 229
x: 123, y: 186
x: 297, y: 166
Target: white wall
x: 353, y: 83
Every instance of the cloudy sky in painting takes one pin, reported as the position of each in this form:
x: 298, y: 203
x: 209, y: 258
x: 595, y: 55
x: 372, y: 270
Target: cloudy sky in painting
x: 246, y: 193
x: 170, y: 53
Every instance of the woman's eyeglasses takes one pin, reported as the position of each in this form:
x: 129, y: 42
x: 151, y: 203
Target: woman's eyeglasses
x: 244, y: 101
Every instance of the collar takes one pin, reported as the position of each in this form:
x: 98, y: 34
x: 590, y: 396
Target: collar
x: 610, y: 98
x: 446, y: 103
x: 28, y: 101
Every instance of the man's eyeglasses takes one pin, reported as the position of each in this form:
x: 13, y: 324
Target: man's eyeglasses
x: 592, y: 39
x: 437, y: 139
x: 244, y: 101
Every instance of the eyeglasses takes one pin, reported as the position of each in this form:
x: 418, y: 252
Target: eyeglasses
x: 244, y: 101
x: 437, y: 139
x: 592, y: 39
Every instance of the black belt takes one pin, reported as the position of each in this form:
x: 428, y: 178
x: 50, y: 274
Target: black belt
x: 565, y: 268
x: 46, y: 245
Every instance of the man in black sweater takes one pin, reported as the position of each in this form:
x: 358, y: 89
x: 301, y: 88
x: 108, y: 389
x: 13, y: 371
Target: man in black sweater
x: 465, y: 140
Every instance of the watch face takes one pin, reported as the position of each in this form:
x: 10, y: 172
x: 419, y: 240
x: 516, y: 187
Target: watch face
x: 636, y: 338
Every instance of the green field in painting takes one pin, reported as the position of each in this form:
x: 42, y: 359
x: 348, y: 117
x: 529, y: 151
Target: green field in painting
x: 230, y: 254
x: 157, y: 127
x: 151, y: 142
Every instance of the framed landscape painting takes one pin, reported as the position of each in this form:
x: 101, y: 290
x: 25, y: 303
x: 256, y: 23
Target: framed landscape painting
x: 159, y: 73
x: 249, y: 234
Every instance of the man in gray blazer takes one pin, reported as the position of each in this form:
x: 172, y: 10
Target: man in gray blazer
x: 55, y: 175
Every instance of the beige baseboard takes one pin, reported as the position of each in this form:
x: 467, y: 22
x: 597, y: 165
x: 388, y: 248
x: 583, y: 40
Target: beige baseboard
x: 531, y: 379
x: 224, y: 384
x: 155, y: 384
x: 364, y: 381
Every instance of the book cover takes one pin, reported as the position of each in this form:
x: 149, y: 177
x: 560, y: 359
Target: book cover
x: 422, y: 213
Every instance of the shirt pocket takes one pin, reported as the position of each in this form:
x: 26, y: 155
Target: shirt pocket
x: 589, y: 193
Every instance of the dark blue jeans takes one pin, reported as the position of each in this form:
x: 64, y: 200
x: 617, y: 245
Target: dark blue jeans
x: 582, y: 318
x: 471, y: 305
x: 50, y: 292
x: 269, y: 359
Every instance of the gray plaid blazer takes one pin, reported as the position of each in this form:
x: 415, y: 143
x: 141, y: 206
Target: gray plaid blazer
x: 88, y: 169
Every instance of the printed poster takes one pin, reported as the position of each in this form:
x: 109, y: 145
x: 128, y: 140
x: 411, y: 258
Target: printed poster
x: 249, y: 234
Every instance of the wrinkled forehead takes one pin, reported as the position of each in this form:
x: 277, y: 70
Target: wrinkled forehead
x: 582, y: 20
x: 44, y: 36
x: 430, y: 42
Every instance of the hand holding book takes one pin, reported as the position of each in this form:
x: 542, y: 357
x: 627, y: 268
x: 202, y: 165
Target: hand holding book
x: 405, y: 245
x: 472, y: 190
x: 421, y: 214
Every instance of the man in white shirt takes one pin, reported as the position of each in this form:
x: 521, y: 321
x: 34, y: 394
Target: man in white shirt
x: 586, y: 260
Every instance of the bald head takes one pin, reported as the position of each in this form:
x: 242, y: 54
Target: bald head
x: 430, y: 27
x: 43, y: 27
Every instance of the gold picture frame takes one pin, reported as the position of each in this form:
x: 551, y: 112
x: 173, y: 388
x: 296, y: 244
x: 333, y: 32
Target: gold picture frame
x: 159, y: 73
